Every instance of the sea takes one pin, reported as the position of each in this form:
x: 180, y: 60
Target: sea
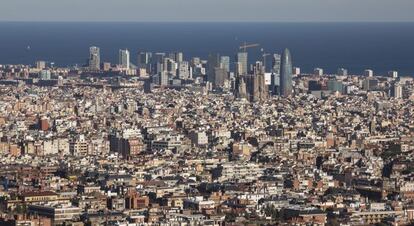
x: 355, y: 46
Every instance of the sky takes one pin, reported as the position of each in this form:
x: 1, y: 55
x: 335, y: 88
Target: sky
x: 208, y: 10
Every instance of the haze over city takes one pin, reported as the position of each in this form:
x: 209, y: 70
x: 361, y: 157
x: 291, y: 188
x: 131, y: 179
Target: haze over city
x: 208, y: 10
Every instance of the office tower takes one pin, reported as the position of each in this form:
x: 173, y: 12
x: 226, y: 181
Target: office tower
x: 238, y: 68
x: 370, y: 84
x: 157, y: 61
x: 318, y: 71
x: 369, y: 73
x: 274, y: 86
x: 296, y: 70
x: 94, y: 58
x: 225, y: 63
x: 45, y: 75
x: 178, y: 57
x: 220, y: 76
x: 143, y: 59
x: 184, y: 70
x: 164, y: 79
x: 286, y: 74
x: 342, y: 72
x: 148, y: 85
x: 159, y: 57
x: 159, y: 67
x: 170, y: 65
x: 314, y: 85
x: 242, y: 59
x: 40, y: 65
x: 335, y: 86
x: 397, y: 91
x: 276, y: 64
x: 393, y: 74
x: 212, y: 64
x: 124, y: 61
x: 275, y: 76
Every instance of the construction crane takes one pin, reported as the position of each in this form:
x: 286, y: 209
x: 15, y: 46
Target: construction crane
x: 246, y: 46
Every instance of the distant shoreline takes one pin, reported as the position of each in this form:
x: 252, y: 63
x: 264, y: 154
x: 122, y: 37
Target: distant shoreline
x: 355, y: 46
x: 220, y: 22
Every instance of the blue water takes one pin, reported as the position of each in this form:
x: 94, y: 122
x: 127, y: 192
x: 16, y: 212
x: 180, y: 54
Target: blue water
x: 355, y: 46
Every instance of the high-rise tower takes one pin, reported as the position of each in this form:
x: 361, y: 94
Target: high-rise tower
x: 225, y: 63
x: 212, y: 63
x: 275, y: 77
x: 94, y: 58
x: 143, y: 59
x: 286, y: 74
x: 124, y: 58
x: 242, y: 59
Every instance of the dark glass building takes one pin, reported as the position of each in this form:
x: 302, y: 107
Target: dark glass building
x: 286, y: 74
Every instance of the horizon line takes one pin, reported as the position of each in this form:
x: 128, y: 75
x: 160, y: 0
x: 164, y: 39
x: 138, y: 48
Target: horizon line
x: 93, y: 21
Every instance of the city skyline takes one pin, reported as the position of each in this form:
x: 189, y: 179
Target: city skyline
x: 219, y: 120
x: 209, y: 11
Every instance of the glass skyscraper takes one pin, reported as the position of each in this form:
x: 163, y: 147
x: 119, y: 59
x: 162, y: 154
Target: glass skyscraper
x: 275, y: 79
x: 144, y: 59
x: 124, y: 58
x: 213, y: 63
x: 225, y: 63
x: 242, y: 59
x: 286, y: 74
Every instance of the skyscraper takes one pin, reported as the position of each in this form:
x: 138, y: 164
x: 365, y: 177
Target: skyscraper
x: 184, y: 70
x: 369, y: 73
x: 144, y: 59
x: 335, y: 85
x: 170, y: 65
x: 276, y: 64
x: 220, y: 76
x: 238, y: 68
x: 225, y: 63
x: 242, y: 59
x: 212, y: 63
x: 275, y: 77
x: 286, y: 74
x: 164, y: 78
x: 178, y: 57
x: 393, y: 74
x: 157, y: 62
x: 124, y: 58
x: 94, y: 58
x: 397, y: 91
